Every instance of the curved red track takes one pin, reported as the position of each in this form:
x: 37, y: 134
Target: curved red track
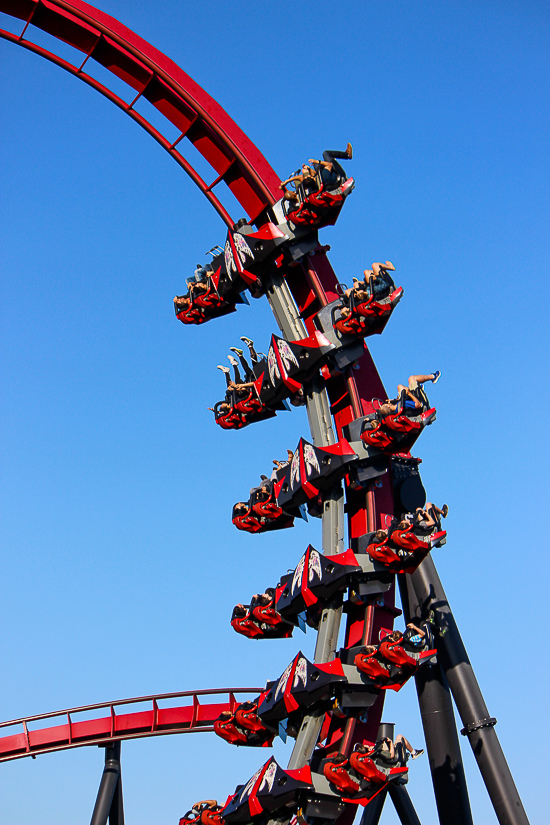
x: 32, y: 738
x: 234, y: 159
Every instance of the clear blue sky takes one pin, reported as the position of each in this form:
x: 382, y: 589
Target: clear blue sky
x: 120, y: 565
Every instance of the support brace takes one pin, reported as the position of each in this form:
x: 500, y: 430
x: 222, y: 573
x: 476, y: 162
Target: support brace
x: 478, y: 724
x: 109, y: 803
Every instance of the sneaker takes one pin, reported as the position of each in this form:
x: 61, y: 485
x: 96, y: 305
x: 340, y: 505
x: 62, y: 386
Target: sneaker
x: 232, y: 361
x: 236, y: 350
x: 247, y: 341
x: 349, y: 151
x: 436, y: 376
x: 416, y: 753
x: 445, y: 510
x: 223, y: 369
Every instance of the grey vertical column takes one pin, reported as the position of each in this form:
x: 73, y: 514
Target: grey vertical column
x: 320, y: 422
x: 478, y: 724
x: 438, y: 721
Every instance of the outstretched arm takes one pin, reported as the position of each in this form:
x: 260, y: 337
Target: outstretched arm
x: 233, y: 386
x: 419, y: 630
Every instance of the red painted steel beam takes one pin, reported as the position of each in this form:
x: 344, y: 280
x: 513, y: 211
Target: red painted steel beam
x: 113, y: 726
x: 350, y: 397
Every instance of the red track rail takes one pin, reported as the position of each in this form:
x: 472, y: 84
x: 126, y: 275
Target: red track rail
x: 234, y: 159
x: 194, y: 717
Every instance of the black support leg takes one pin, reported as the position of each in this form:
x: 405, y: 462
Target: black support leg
x: 478, y: 725
x: 403, y: 804
x: 440, y: 733
x: 373, y: 811
x: 109, y: 797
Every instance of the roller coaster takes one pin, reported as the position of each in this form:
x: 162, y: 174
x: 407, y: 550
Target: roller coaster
x: 355, y: 466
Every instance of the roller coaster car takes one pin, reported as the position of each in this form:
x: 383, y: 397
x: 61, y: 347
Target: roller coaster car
x: 212, y: 816
x: 316, y: 578
x: 247, y: 408
x: 360, y: 778
x: 391, y: 666
x: 410, y: 538
x: 247, y: 405
x: 260, y: 621
x: 397, y: 433
x: 243, y: 727
x: 404, y: 550
x: 320, y: 208
x: 369, y: 317
x: 219, y: 298
x: 311, y: 471
x: 396, y: 560
x: 268, y: 791
x: 229, y: 419
x: 348, y: 348
x: 395, y: 652
x: 246, y: 520
x: 335, y: 769
x: 266, y: 613
x: 290, y: 364
x: 302, y: 685
x: 253, y: 522
x: 247, y: 718
x: 264, y: 502
x: 190, y: 818
x: 225, y: 728
x: 243, y: 622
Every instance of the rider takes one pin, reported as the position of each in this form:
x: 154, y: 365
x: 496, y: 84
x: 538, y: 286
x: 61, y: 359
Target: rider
x: 429, y: 518
x: 329, y: 174
x: 305, y: 176
x: 412, y: 402
x: 395, y: 753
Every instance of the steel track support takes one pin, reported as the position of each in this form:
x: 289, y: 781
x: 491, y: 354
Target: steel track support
x: 109, y: 803
x: 373, y: 811
x: 478, y: 725
x: 403, y: 804
x: 320, y: 422
x: 440, y: 733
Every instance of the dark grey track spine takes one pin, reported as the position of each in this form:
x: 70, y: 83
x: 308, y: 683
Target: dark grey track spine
x: 440, y: 733
x: 478, y: 724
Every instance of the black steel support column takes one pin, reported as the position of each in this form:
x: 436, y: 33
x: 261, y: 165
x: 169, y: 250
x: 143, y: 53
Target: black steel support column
x: 373, y: 811
x: 109, y: 805
x: 403, y: 804
x: 478, y: 725
x: 440, y: 733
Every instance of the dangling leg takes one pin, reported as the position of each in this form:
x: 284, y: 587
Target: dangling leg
x: 234, y: 364
x: 248, y: 373
x: 376, y: 267
x: 250, y: 344
x: 407, y: 745
x: 225, y: 371
x: 329, y: 155
x: 415, y: 380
